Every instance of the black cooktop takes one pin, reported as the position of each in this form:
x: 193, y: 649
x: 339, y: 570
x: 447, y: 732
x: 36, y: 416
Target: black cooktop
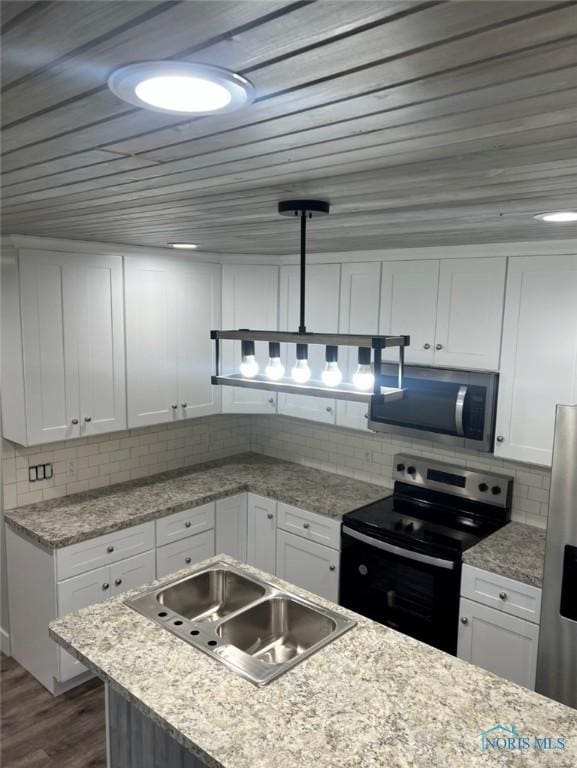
x: 423, y: 525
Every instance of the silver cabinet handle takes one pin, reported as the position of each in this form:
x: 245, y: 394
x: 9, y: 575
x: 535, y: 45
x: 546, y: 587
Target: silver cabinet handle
x: 503, y: 595
x: 464, y: 620
x: 270, y: 515
x: 438, y: 346
x: 500, y: 439
x: 110, y: 549
x: 87, y: 418
x: 184, y: 405
x: 329, y: 409
x: 332, y: 567
x: 306, y: 525
x: 105, y: 586
x: 188, y: 560
x: 117, y: 582
x: 187, y: 524
x: 271, y: 400
x: 174, y: 406
x: 74, y: 421
x: 459, y: 408
x: 426, y: 346
x: 365, y: 415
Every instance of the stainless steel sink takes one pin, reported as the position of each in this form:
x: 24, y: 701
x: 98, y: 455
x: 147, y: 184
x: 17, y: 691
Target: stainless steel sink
x: 254, y: 628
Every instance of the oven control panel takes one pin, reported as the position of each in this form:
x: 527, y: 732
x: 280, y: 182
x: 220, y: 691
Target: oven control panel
x: 479, y: 485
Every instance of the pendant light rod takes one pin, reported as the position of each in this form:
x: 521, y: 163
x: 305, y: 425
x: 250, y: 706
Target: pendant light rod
x: 305, y: 209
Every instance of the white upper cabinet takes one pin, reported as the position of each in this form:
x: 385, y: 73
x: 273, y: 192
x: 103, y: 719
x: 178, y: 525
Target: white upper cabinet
x: 64, y: 373
x: 409, y: 306
x: 249, y: 300
x: 322, y: 316
x: 359, y: 313
x: 452, y: 309
x: 171, y: 307
x: 539, y: 357
x: 470, y: 313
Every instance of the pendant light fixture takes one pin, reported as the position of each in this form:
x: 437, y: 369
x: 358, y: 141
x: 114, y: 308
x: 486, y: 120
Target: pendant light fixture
x: 368, y: 381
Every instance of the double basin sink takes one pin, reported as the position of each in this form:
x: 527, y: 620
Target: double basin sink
x: 249, y: 625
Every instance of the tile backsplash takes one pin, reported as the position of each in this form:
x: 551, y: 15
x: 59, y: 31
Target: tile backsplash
x: 93, y: 462
x: 369, y: 456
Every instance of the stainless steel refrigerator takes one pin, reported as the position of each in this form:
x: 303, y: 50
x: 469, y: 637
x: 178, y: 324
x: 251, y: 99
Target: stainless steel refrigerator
x: 557, y: 659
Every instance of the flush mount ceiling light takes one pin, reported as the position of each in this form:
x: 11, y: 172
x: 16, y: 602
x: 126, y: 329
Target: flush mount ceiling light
x: 184, y: 246
x: 367, y: 383
x: 181, y: 87
x: 557, y: 217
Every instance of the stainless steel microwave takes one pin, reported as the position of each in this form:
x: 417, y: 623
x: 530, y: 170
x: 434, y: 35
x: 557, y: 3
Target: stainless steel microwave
x: 456, y: 408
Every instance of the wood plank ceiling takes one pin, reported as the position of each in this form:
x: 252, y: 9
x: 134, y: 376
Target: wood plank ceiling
x: 424, y: 123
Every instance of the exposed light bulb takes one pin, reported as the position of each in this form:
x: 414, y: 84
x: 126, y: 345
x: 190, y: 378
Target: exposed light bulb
x: 249, y: 366
x: 363, y: 378
x: 301, y: 372
x: 331, y: 375
x: 275, y: 369
x: 558, y: 217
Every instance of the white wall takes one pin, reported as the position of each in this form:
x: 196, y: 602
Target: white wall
x: 369, y: 456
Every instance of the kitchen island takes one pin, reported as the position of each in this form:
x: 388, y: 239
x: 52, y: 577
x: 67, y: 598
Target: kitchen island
x: 370, y: 699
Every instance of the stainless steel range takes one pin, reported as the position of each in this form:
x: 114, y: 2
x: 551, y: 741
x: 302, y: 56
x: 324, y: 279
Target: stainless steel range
x: 401, y: 556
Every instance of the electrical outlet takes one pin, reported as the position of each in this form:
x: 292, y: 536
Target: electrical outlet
x: 71, y: 468
x: 39, y: 472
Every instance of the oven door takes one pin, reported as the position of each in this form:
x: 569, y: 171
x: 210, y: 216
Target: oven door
x: 411, y: 592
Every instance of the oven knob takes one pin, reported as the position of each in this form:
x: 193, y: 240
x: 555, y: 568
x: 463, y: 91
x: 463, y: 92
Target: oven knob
x: 495, y: 490
x: 483, y: 487
x: 412, y: 471
x: 400, y: 467
x: 363, y: 570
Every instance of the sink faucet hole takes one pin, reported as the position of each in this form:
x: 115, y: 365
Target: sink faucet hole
x: 194, y: 632
x: 163, y: 614
x: 177, y: 623
x: 213, y: 642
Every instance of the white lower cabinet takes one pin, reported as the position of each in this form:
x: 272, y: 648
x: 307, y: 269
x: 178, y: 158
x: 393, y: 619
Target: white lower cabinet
x: 232, y: 527
x: 185, y: 552
x: 499, y: 642
x: 309, y: 565
x: 261, y: 543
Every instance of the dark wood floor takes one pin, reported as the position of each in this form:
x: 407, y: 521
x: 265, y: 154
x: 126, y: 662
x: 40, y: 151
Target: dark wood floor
x: 42, y: 731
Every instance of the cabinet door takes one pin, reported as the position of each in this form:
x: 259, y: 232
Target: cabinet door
x: 96, y: 335
x: 409, y: 306
x: 261, y: 543
x: 133, y: 572
x: 249, y: 300
x: 73, y: 594
x: 359, y: 313
x: 308, y: 565
x: 322, y: 315
x: 232, y: 527
x: 539, y: 358
x: 151, y: 342
x: 50, y: 375
x: 470, y: 313
x: 197, y: 313
x: 180, y: 554
x: 496, y: 641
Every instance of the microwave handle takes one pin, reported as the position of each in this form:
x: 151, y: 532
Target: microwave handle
x: 459, y: 407
x: 400, y: 551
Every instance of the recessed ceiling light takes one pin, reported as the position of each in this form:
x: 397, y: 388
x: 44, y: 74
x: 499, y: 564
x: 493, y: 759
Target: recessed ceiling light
x: 184, y: 246
x: 557, y: 217
x: 181, y: 87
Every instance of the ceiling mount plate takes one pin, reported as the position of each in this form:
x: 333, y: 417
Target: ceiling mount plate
x: 306, y: 207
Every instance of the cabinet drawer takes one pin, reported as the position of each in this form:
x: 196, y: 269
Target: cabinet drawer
x: 180, y: 554
x: 310, y: 525
x: 189, y: 522
x: 104, y: 550
x: 501, y: 593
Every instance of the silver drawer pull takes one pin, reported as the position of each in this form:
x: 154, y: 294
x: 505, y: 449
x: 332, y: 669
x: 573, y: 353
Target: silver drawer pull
x: 306, y: 525
x: 174, y: 406
x: 87, y: 418
x: 270, y: 515
x: 184, y: 405
x: 105, y: 586
x: 188, y: 560
x: 271, y: 400
x: 426, y: 346
x: 74, y: 421
x: 117, y: 582
x: 332, y: 567
x: 464, y: 620
x: 438, y: 346
x: 110, y: 549
x: 503, y: 595
x: 187, y: 524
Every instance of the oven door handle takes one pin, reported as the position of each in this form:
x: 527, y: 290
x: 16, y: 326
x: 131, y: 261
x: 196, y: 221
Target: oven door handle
x: 438, y: 562
x: 459, y: 406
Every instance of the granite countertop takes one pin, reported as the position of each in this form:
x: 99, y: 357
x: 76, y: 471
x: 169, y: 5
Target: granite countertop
x: 370, y: 699
x: 516, y: 551
x: 61, y: 522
